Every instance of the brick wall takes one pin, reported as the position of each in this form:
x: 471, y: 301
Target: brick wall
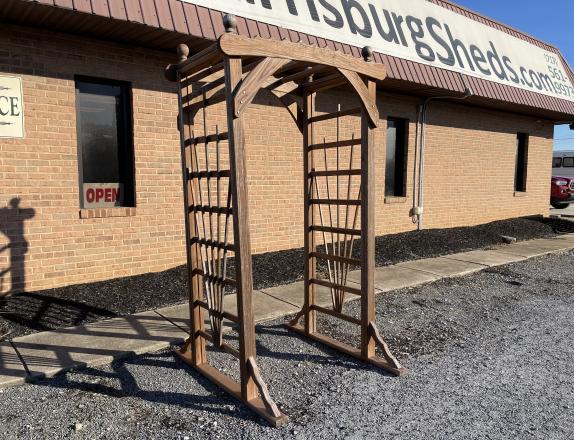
x: 469, y: 167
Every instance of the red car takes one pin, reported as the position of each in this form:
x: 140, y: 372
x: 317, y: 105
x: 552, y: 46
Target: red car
x: 562, y: 193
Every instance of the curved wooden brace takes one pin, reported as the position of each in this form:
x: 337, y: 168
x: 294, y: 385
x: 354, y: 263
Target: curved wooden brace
x: 368, y: 102
x: 374, y: 331
x: 263, y: 391
x: 253, y: 82
x: 292, y: 106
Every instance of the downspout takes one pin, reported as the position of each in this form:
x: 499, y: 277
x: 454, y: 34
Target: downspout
x: 422, y: 110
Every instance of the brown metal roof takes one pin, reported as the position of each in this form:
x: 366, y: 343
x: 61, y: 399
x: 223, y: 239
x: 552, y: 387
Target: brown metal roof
x: 164, y: 23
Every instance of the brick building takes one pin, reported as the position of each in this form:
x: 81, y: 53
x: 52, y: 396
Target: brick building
x: 93, y: 69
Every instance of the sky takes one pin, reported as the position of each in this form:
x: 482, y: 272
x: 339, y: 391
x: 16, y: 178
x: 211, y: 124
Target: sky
x: 550, y: 21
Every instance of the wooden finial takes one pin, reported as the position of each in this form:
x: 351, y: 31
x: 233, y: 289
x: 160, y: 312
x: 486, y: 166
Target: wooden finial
x: 230, y: 23
x: 170, y: 73
x: 183, y: 52
x: 367, y: 53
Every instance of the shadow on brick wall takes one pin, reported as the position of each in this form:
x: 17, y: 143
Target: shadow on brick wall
x: 14, y: 248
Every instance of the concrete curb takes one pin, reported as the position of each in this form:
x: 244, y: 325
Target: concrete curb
x: 40, y: 355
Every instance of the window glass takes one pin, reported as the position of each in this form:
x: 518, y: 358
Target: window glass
x: 395, y: 167
x: 568, y: 162
x: 521, y: 162
x: 556, y: 162
x: 105, y: 143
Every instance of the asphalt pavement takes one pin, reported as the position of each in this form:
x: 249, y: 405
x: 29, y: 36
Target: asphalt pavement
x: 490, y: 356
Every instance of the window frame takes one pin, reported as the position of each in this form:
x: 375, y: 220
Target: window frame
x: 521, y: 178
x: 126, y: 135
x: 405, y: 122
x: 559, y: 159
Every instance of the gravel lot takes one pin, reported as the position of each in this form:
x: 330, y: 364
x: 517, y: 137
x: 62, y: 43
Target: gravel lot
x: 75, y: 305
x: 490, y: 357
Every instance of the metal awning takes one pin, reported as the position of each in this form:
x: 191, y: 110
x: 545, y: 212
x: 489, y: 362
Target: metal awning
x: 162, y: 24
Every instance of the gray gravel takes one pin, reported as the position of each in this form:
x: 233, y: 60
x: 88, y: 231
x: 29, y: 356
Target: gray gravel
x: 490, y: 357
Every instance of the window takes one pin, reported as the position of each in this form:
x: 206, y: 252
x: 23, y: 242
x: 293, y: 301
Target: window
x: 396, y: 161
x: 521, y: 162
x: 556, y: 162
x: 105, y: 147
x: 568, y: 162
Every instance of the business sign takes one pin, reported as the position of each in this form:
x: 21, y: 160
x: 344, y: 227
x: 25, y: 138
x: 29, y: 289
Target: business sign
x: 11, y: 107
x: 103, y: 195
x: 419, y: 31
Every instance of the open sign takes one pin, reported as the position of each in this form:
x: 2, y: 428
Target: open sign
x: 103, y: 195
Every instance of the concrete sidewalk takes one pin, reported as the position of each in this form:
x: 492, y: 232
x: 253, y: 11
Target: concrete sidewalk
x: 46, y: 354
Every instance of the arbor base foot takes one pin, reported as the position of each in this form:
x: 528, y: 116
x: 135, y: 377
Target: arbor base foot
x: 348, y: 350
x: 233, y: 388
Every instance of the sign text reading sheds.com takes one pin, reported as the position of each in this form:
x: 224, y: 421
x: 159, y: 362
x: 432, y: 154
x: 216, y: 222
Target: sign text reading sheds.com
x: 419, y: 31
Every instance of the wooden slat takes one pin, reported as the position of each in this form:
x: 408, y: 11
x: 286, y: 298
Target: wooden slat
x: 211, y: 209
x: 335, y: 144
x: 236, y: 45
x: 335, y: 115
x: 208, y: 174
x: 209, y: 139
x: 212, y: 244
x: 226, y: 315
x: 336, y: 258
x: 332, y: 173
x: 337, y: 314
x: 337, y: 202
x: 334, y: 230
x: 217, y: 98
x: 331, y: 285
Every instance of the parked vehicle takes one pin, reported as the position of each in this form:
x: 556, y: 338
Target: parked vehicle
x: 562, y: 187
x: 562, y: 192
x: 563, y: 164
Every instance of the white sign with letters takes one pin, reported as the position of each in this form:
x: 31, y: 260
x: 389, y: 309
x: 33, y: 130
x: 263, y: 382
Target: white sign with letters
x: 11, y: 107
x: 419, y: 31
x: 103, y: 195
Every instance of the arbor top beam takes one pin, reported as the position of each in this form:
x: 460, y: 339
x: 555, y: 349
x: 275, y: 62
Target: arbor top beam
x: 302, y: 56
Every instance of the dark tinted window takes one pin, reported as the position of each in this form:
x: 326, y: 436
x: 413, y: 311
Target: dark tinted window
x: 556, y: 162
x: 397, y: 145
x: 568, y: 162
x: 105, y: 141
x: 521, y: 162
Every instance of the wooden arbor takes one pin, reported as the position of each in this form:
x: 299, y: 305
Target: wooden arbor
x: 233, y: 71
